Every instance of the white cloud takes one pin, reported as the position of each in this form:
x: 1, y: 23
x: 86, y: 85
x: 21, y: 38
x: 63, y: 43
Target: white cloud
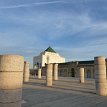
x: 86, y: 52
x: 32, y: 4
x: 36, y: 30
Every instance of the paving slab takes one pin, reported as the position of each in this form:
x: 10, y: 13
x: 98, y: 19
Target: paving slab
x: 66, y: 92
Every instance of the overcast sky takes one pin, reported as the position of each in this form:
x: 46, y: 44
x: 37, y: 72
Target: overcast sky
x: 77, y: 29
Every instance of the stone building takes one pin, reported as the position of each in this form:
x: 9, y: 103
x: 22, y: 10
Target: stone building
x: 65, y: 69
x: 47, y: 56
x: 71, y: 69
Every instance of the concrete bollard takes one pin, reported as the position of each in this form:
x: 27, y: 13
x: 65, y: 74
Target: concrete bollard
x: 11, y: 78
x: 55, y: 71
x: 81, y: 70
x: 26, y: 72
x: 39, y: 73
x: 100, y: 75
x: 49, y: 75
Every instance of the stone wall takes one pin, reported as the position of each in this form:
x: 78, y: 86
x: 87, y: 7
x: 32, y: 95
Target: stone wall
x: 71, y: 69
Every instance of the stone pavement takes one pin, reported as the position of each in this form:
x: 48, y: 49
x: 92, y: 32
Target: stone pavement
x: 66, y: 92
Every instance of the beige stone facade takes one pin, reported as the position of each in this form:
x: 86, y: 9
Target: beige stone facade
x: 46, y: 57
x: 71, y: 69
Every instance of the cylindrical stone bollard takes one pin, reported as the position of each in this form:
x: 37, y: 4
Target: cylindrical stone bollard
x: 49, y: 75
x: 81, y: 70
x: 11, y: 78
x: 26, y: 72
x: 106, y: 68
x: 100, y: 75
x: 39, y: 73
x: 55, y: 71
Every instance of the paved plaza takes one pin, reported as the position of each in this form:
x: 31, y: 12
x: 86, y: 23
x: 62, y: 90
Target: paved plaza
x: 66, y: 92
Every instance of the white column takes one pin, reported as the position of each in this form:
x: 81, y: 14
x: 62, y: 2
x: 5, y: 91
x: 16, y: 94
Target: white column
x: 39, y: 73
x: 49, y: 74
x: 81, y: 75
x: 55, y: 71
x: 26, y: 72
x: 11, y: 78
x: 100, y: 75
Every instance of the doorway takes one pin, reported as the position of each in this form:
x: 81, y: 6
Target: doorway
x: 72, y: 72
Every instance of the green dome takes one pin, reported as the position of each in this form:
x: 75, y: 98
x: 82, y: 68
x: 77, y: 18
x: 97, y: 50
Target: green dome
x: 49, y: 49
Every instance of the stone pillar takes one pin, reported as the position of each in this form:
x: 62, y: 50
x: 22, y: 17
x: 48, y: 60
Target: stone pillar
x: 100, y: 75
x: 81, y: 70
x: 39, y: 73
x: 11, y: 78
x: 55, y: 71
x: 26, y: 72
x: 106, y: 68
x: 49, y: 75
